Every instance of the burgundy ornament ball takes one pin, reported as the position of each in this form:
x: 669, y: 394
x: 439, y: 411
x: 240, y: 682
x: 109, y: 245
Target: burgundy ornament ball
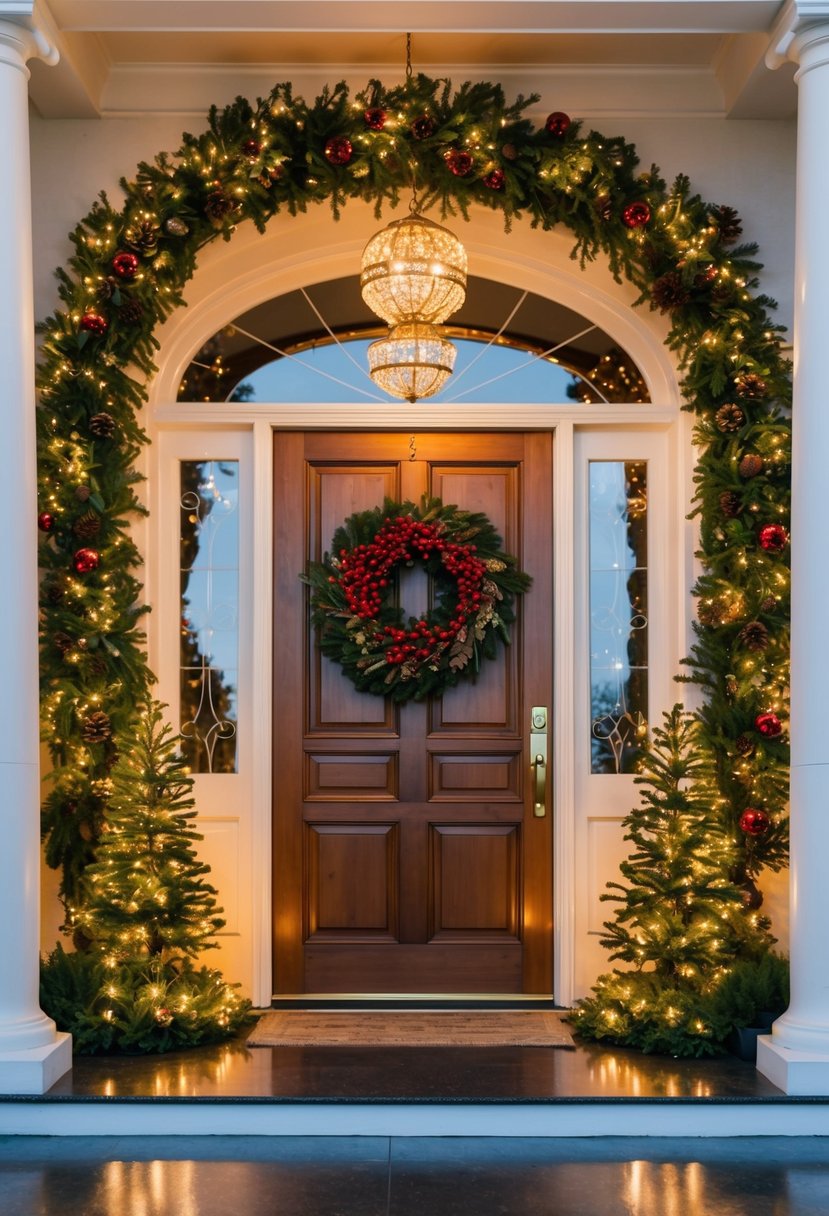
x: 768, y: 724
x: 754, y: 822
x: 86, y: 560
x: 459, y: 162
x: 495, y: 180
x: 636, y: 215
x: 94, y: 323
x: 46, y: 521
x: 125, y: 265
x: 251, y: 148
x: 374, y: 118
x: 557, y: 123
x: 338, y: 150
x: 773, y: 538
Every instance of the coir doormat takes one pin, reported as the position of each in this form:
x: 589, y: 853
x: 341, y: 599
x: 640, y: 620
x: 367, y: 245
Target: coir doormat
x: 411, y: 1028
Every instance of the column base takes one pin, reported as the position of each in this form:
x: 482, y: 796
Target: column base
x: 35, y: 1070
x: 795, y: 1072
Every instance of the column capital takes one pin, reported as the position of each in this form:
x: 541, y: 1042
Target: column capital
x: 801, y: 24
x: 27, y: 31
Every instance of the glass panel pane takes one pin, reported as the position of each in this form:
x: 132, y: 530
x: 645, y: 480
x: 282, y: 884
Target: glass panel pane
x: 209, y: 650
x: 618, y: 613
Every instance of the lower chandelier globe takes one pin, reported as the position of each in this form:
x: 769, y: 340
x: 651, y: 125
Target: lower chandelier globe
x: 413, y: 362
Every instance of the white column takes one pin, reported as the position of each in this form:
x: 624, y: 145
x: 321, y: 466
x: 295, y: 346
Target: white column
x: 32, y: 1054
x: 796, y: 1055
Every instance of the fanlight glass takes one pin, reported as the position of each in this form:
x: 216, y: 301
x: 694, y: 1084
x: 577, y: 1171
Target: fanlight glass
x: 414, y: 270
x: 413, y: 362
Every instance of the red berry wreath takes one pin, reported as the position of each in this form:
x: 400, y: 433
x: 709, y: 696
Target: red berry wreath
x: 363, y: 630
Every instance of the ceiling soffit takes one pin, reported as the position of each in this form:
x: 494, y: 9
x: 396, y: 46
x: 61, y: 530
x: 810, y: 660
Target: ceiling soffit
x: 596, y: 58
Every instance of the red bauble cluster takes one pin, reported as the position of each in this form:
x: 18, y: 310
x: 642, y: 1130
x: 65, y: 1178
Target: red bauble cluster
x: 495, y: 179
x: 754, y: 822
x: 768, y: 724
x: 374, y: 118
x: 773, y: 538
x: 365, y: 576
x: 86, y: 560
x: 46, y: 521
x: 636, y: 215
x: 94, y: 323
x: 557, y: 123
x: 459, y: 162
x: 338, y: 150
x: 125, y: 265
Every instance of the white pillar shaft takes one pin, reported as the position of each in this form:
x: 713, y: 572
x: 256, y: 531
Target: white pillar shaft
x: 22, y: 1024
x: 797, y: 1056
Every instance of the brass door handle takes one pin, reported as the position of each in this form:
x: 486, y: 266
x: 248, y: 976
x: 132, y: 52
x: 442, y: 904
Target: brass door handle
x: 538, y: 751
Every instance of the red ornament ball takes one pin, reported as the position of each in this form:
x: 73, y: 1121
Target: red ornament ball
x: 338, y: 150
x: 251, y: 148
x: 86, y: 560
x: 495, y: 180
x: 125, y: 265
x: 754, y: 822
x: 557, y: 123
x: 94, y: 323
x: 768, y: 724
x: 459, y: 162
x: 636, y: 215
x: 773, y: 538
x: 375, y: 118
x: 45, y: 521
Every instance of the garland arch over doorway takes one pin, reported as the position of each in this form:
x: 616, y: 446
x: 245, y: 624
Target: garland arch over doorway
x: 463, y: 148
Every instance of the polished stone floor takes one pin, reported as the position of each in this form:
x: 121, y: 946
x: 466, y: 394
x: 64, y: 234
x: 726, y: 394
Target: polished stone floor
x: 378, y: 1176
x: 514, y: 1074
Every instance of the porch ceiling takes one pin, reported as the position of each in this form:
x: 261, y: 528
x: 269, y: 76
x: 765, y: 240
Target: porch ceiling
x: 604, y: 58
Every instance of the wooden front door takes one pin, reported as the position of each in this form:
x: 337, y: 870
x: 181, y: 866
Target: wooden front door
x: 407, y: 855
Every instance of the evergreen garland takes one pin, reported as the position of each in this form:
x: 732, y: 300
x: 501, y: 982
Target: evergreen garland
x: 462, y: 149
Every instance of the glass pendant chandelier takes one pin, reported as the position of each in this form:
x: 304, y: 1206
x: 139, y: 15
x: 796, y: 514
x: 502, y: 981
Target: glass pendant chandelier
x: 413, y: 276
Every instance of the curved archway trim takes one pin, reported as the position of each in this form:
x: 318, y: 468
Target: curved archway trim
x: 458, y: 149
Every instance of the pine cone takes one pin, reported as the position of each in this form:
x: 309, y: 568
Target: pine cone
x: 82, y: 493
x: 752, y: 896
x: 750, y: 386
x: 97, y: 727
x: 106, y: 289
x: 604, y: 207
x: 63, y: 642
x: 142, y: 237
x: 218, y: 206
x: 669, y: 292
x: 745, y: 745
x: 728, y: 224
x: 55, y: 591
x: 730, y: 417
x: 87, y: 526
x: 754, y: 636
x: 102, y: 425
x: 751, y: 465
x: 730, y: 504
x: 131, y: 311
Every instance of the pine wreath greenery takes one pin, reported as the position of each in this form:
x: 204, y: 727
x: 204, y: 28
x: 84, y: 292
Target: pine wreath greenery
x: 365, y: 633
x: 281, y: 155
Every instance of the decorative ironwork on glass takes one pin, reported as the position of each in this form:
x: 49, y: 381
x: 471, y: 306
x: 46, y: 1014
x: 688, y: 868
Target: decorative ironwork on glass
x: 209, y: 539
x: 618, y: 508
